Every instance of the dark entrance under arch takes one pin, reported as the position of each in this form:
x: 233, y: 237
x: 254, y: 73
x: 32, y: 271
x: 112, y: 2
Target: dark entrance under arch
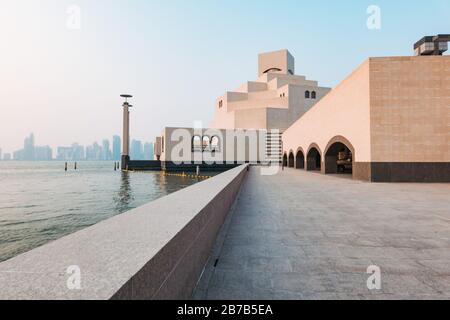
x: 285, y: 160
x: 314, y: 161
x: 300, y: 160
x: 291, y: 160
x: 339, y: 159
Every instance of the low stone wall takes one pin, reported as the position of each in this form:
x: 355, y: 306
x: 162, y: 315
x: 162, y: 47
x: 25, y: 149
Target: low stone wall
x: 204, y: 167
x: 168, y: 166
x: 144, y: 165
x: 157, y: 251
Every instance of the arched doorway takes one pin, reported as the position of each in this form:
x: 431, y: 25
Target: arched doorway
x: 291, y: 160
x: 339, y: 156
x: 314, y: 159
x: 300, y: 159
x: 285, y: 160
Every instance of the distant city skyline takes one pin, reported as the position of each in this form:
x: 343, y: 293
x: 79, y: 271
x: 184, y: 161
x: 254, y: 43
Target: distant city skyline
x: 39, y: 141
x: 108, y: 150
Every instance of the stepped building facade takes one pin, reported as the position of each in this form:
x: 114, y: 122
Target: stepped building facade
x: 252, y: 117
x: 275, y: 100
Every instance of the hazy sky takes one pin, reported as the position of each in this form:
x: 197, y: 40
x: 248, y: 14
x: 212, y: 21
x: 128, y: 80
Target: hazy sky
x: 176, y: 57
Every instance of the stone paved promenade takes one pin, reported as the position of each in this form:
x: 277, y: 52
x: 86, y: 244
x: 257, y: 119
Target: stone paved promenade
x: 302, y: 235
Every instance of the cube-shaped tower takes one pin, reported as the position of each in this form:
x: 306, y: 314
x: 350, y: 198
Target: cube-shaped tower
x: 276, y: 62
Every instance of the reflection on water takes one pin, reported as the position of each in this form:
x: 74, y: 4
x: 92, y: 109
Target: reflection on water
x: 125, y: 196
x: 40, y: 202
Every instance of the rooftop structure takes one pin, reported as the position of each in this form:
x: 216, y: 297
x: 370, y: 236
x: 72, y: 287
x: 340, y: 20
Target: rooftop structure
x: 432, y: 45
x: 281, y: 62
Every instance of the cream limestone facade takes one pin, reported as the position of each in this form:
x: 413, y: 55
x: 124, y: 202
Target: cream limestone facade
x: 274, y: 101
x: 410, y: 109
x: 213, y: 145
x: 263, y: 108
x: 393, y: 116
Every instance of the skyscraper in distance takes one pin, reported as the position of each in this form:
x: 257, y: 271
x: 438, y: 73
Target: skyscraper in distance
x: 106, y: 151
x: 43, y: 153
x: 28, y: 148
x: 136, y: 150
x: 97, y: 152
x: 148, y: 151
x: 116, y: 148
x: 78, y: 152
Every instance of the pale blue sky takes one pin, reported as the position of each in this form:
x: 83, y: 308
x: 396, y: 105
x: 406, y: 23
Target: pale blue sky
x: 176, y: 57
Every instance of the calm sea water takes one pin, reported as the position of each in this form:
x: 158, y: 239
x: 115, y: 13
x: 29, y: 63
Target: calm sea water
x: 40, y: 202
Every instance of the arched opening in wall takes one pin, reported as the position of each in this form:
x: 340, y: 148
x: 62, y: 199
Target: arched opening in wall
x: 314, y: 160
x: 300, y: 160
x: 291, y: 160
x: 196, y: 143
x: 215, y: 144
x: 206, y: 143
x: 272, y: 70
x: 285, y: 160
x: 339, y: 157
x: 307, y: 95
